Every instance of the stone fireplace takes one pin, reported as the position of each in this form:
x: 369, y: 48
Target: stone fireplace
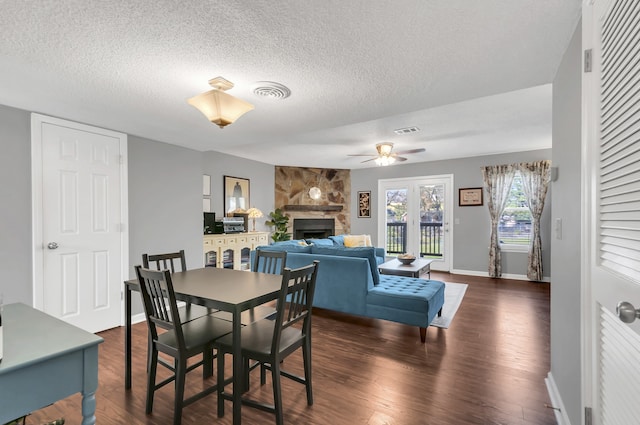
x: 313, y: 228
x: 292, y: 186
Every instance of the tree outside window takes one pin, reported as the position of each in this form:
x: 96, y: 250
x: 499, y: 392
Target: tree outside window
x: 515, y: 221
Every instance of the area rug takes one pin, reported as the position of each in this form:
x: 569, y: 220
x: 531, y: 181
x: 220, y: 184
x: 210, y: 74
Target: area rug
x: 453, y: 294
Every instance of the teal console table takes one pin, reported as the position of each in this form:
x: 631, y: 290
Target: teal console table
x: 45, y: 360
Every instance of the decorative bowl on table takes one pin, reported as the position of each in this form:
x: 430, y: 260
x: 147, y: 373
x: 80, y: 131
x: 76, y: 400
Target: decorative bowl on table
x: 406, y: 259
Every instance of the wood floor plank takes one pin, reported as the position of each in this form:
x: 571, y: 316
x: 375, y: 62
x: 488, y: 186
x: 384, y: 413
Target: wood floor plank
x: 487, y: 368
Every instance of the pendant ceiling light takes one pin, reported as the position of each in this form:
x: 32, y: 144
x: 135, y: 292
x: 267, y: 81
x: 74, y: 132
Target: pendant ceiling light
x: 219, y: 107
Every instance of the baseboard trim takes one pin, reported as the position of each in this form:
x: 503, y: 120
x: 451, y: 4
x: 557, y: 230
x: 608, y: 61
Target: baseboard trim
x: 556, y: 401
x: 137, y: 318
x: 504, y: 275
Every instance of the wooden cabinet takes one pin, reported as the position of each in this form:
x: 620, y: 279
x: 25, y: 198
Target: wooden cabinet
x: 232, y: 250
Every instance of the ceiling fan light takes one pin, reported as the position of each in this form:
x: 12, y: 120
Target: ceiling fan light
x: 384, y: 149
x: 219, y: 107
x: 385, y: 160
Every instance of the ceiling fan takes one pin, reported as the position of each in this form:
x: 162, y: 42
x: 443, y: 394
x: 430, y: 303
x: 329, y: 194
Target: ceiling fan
x: 386, y: 157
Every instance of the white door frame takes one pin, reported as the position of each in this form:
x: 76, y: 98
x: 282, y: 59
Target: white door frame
x: 447, y: 220
x: 37, y: 120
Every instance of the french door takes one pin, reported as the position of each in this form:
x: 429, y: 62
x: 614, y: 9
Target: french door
x: 415, y: 217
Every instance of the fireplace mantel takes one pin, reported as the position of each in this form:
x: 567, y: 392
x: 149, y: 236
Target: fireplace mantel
x: 313, y: 207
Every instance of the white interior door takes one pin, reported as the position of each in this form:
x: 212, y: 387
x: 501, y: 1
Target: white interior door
x: 415, y: 218
x: 79, y: 222
x: 611, y: 222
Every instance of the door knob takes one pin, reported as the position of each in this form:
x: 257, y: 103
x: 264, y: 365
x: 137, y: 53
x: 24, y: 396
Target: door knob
x: 627, y: 312
x: 52, y: 245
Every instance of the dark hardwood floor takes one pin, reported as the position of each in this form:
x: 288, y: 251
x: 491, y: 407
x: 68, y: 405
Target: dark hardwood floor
x: 487, y: 368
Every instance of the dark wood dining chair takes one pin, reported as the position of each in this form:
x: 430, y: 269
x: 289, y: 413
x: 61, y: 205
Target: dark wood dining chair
x: 171, y: 261
x: 271, y: 341
x: 180, y: 340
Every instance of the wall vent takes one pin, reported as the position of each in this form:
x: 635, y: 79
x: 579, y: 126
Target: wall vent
x: 406, y: 130
x: 271, y: 89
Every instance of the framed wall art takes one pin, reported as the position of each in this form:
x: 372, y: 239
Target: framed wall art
x: 470, y: 197
x: 364, y: 204
x: 236, y: 195
x: 206, y: 185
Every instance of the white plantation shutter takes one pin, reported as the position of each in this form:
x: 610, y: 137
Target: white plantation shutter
x: 619, y: 372
x: 619, y: 218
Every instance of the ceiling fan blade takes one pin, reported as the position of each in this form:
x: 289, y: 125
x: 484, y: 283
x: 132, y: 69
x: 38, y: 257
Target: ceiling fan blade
x: 400, y: 158
x: 411, y: 151
x: 367, y: 160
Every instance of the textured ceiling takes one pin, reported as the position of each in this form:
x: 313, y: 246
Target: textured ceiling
x: 474, y: 76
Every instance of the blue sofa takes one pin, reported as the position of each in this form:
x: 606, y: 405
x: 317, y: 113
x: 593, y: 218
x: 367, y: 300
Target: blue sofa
x: 349, y: 281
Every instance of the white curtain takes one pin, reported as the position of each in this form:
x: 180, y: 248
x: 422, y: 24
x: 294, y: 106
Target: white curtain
x: 497, y: 181
x: 535, y: 182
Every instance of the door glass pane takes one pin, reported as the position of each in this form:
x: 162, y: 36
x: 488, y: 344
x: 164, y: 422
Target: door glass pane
x: 431, y: 214
x: 396, y: 217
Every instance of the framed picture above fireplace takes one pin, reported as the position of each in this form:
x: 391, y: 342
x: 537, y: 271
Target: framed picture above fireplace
x: 364, y: 204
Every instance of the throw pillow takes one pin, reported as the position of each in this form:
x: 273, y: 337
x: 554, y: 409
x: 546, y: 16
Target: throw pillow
x: 353, y: 241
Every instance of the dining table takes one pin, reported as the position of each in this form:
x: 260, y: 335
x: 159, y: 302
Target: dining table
x: 233, y: 291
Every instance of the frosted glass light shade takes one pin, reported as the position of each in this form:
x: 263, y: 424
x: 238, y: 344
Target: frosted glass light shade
x: 219, y: 107
x: 315, y: 193
x: 385, y: 160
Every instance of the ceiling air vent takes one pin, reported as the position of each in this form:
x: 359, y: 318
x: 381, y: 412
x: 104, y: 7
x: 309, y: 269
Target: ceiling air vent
x: 407, y: 130
x: 271, y: 89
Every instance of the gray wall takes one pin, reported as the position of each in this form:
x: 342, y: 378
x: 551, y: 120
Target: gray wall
x: 165, y: 205
x: 471, y: 236
x: 15, y: 205
x: 261, y: 180
x: 565, y: 290
x: 165, y: 200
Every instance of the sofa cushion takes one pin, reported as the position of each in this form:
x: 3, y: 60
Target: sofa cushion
x: 305, y: 249
x: 407, y: 293
x: 337, y: 240
x: 320, y: 242
x: 362, y: 252
x: 297, y: 242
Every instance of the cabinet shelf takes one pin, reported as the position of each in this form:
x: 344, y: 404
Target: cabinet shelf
x: 227, y: 248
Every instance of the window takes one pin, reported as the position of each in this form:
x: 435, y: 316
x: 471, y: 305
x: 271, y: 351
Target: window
x: 514, y: 229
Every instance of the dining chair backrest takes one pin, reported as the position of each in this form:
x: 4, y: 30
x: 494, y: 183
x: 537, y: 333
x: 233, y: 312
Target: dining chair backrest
x: 165, y: 261
x: 160, y: 306
x: 295, y: 301
x: 272, y: 262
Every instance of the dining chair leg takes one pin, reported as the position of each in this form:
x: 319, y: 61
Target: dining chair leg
x: 207, y: 363
x: 245, y: 386
x: 220, y: 383
x: 306, y: 354
x: 151, y: 379
x: 263, y: 374
x: 181, y: 371
x: 277, y: 392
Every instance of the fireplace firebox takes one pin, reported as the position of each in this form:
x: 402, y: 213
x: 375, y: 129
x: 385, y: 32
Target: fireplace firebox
x: 313, y: 228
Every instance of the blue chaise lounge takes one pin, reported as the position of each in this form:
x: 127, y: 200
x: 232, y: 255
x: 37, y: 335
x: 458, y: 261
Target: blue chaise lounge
x: 349, y: 281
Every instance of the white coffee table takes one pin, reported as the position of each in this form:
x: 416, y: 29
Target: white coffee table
x: 415, y: 269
